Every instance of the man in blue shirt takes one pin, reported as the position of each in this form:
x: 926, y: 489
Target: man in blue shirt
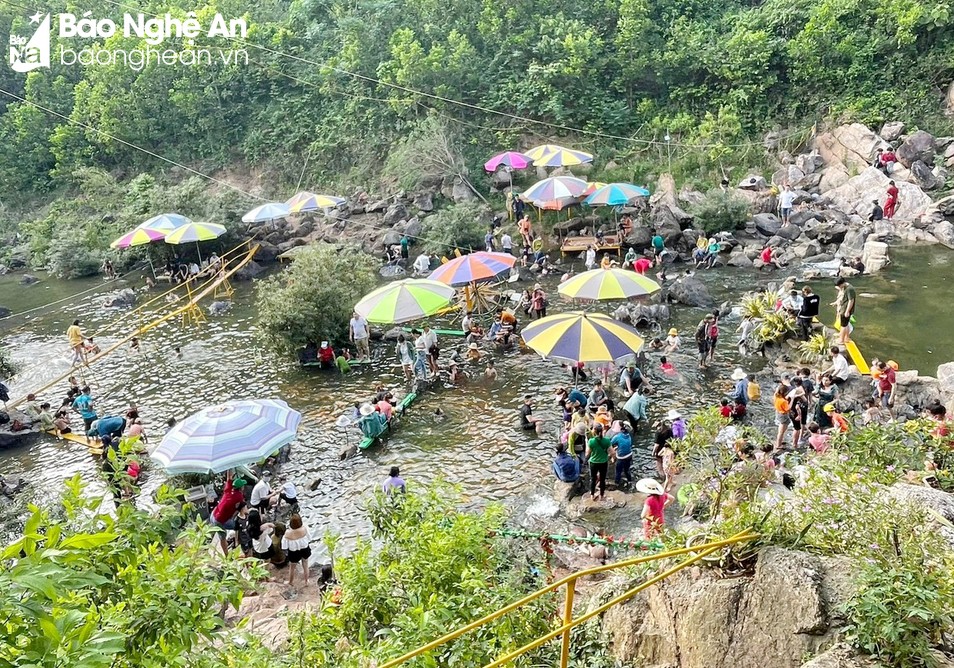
x: 635, y: 408
x: 741, y: 391
x: 631, y: 378
x: 83, y: 404
x: 108, y: 425
x: 622, y: 445
x: 574, y: 398
x: 565, y: 467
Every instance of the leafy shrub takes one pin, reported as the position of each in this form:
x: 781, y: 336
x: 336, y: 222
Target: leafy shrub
x: 815, y: 350
x: 460, y: 226
x: 313, y: 299
x: 721, y: 212
x: 68, y: 257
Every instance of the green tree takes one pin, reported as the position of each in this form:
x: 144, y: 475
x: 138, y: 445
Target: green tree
x: 312, y: 300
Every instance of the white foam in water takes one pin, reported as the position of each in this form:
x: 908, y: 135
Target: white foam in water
x: 542, y: 506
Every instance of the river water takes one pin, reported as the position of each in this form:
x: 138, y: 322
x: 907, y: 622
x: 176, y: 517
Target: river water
x: 476, y: 443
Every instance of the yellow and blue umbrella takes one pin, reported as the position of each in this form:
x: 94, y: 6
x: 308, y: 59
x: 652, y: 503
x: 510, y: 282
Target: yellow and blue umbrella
x: 616, y: 194
x: 403, y: 301
x: 222, y: 437
x: 582, y: 337
x: 554, y: 188
x: 602, y: 284
x: 552, y: 155
x: 306, y: 201
x: 194, y: 233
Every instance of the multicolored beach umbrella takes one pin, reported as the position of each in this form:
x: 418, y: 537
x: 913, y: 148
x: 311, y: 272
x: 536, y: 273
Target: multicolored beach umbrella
x: 164, y: 222
x: 582, y: 337
x: 194, y: 233
x: 473, y: 268
x: 137, y: 237
x: 552, y: 155
x: 592, y: 187
x: 616, y: 194
x: 511, y: 159
x: 306, y: 201
x: 222, y: 437
x: 403, y: 301
x: 554, y: 188
x: 601, y: 284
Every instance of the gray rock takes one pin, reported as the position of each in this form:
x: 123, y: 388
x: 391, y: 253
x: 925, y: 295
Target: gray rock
x: 249, y: 271
x: 413, y: 228
x: 790, y: 174
x: 839, y: 656
x: 391, y: 238
x: 944, y: 232
x: 4, y: 312
x: 28, y: 279
x: 891, y: 131
x: 574, y: 224
x: 845, y: 149
x: 304, y: 229
x: 789, y: 231
x: 819, y: 259
x: 690, y: 291
x: 854, y: 241
x: 918, y: 146
x: 870, y: 185
x: 946, y: 206
x: 220, y: 307
x: 424, y: 202
x: 642, y: 315
x: 461, y: 192
x: 767, y: 224
x: 640, y: 237
x: 738, y: 258
x: 4, y: 269
x: 753, y: 182
x: 666, y: 224
x: 802, y: 216
x: 833, y: 233
x: 291, y: 243
x: 266, y: 252
x: 396, y: 212
x: 122, y: 299
x: 374, y: 207
x: 808, y: 248
x: 809, y: 163
x: 924, y: 176
x: 875, y: 256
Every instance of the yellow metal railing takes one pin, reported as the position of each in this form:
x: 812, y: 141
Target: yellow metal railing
x: 697, y: 552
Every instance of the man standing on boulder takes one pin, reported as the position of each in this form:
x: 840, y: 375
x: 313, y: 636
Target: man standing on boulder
x: 844, y: 308
x: 785, y: 200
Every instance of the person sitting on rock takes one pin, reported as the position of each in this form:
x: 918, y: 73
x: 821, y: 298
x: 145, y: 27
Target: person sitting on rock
x: 877, y: 213
x: 888, y: 158
x: 565, y: 467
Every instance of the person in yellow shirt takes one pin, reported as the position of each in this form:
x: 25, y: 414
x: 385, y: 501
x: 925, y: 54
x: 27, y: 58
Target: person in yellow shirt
x: 606, y: 262
x: 75, y: 337
x: 754, y: 390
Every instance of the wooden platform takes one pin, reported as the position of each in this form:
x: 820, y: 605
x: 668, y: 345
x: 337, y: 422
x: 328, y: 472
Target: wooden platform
x: 580, y: 244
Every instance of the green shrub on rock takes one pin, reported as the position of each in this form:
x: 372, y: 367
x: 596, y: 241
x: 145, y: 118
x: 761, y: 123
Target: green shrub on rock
x: 721, y: 212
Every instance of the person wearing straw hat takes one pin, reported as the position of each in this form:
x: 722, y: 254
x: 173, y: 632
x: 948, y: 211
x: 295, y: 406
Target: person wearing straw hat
x: 741, y: 391
x: 372, y: 423
x: 673, y: 341
x: 653, y: 515
x: 473, y: 353
x: 678, y: 423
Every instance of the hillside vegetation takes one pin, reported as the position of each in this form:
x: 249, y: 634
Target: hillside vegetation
x: 330, y: 86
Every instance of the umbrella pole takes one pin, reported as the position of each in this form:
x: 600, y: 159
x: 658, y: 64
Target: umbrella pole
x: 199, y: 253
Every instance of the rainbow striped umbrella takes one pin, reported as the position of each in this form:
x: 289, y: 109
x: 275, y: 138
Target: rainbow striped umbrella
x: 616, y: 194
x: 582, y: 337
x: 511, y: 159
x: 473, y: 268
x: 403, y: 301
x: 601, y: 284
x: 592, y: 187
x: 553, y: 188
x: 552, y: 155
x: 222, y: 437
x: 164, y: 222
x: 556, y: 204
x: 306, y: 201
x: 137, y: 237
x: 194, y: 233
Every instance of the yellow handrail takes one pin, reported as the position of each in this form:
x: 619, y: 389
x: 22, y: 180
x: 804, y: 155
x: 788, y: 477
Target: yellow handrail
x: 698, y: 553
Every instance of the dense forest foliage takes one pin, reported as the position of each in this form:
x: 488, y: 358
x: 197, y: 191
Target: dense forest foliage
x: 331, y: 85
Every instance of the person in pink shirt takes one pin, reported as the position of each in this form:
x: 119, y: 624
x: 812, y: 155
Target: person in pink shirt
x: 385, y: 407
x: 642, y: 265
x: 657, y: 499
x: 819, y: 440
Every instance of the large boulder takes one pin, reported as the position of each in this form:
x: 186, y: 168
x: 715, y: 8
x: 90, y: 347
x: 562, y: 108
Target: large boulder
x: 833, y: 176
x: 924, y: 176
x: 424, y: 202
x: 945, y: 379
x: 666, y: 224
x: 916, y: 391
x: 853, y: 146
x: 944, y: 233
x: 788, y: 609
x: 807, y: 248
x: 875, y: 256
x: 396, y: 213
x: 892, y: 130
x: 789, y: 232
x: 249, y: 271
x: 833, y: 233
x: 125, y: 298
x: 789, y: 174
x: 739, y: 258
x: 809, y: 163
x: 753, y: 182
x: 28, y: 279
x: 461, y: 192
x: 267, y: 252
x: 871, y: 184
x: 767, y: 224
x: 760, y: 201
x: 413, y: 228
x: 854, y: 241
x: 640, y: 237
x: 391, y: 238
x: 918, y: 146
x: 690, y: 291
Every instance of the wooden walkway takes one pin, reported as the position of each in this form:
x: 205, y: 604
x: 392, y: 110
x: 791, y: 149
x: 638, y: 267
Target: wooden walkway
x: 580, y: 244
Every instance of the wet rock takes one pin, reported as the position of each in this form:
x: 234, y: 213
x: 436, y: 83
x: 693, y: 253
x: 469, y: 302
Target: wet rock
x: 4, y: 312
x: 875, y: 256
x: 564, y: 491
x: 396, y: 213
x: 807, y: 248
x: 249, y: 271
x: 315, y: 484
x: 833, y: 233
x: 4, y: 270
x: 767, y: 224
x: 266, y: 252
x: 347, y: 452
x: 642, y: 315
x: 738, y: 258
x: 220, y: 307
x: 424, y: 202
x: 28, y: 279
x: 122, y: 299
x: 918, y: 146
x: 854, y: 241
x: 924, y: 176
x: 789, y: 232
x: 753, y: 182
x: 891, y: 131
x: 690, y: 291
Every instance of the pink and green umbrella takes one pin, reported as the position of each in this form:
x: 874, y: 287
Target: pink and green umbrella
x: 473, y: 268
x: 138, y: 237
x: 554, y: 188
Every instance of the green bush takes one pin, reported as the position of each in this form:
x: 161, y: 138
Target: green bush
x: 68, y: 257
x: 313, y: 299
x: 460, y: 226
x: 721, y: 212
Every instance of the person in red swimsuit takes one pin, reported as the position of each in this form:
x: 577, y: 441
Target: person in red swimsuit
x: 892, y: 202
